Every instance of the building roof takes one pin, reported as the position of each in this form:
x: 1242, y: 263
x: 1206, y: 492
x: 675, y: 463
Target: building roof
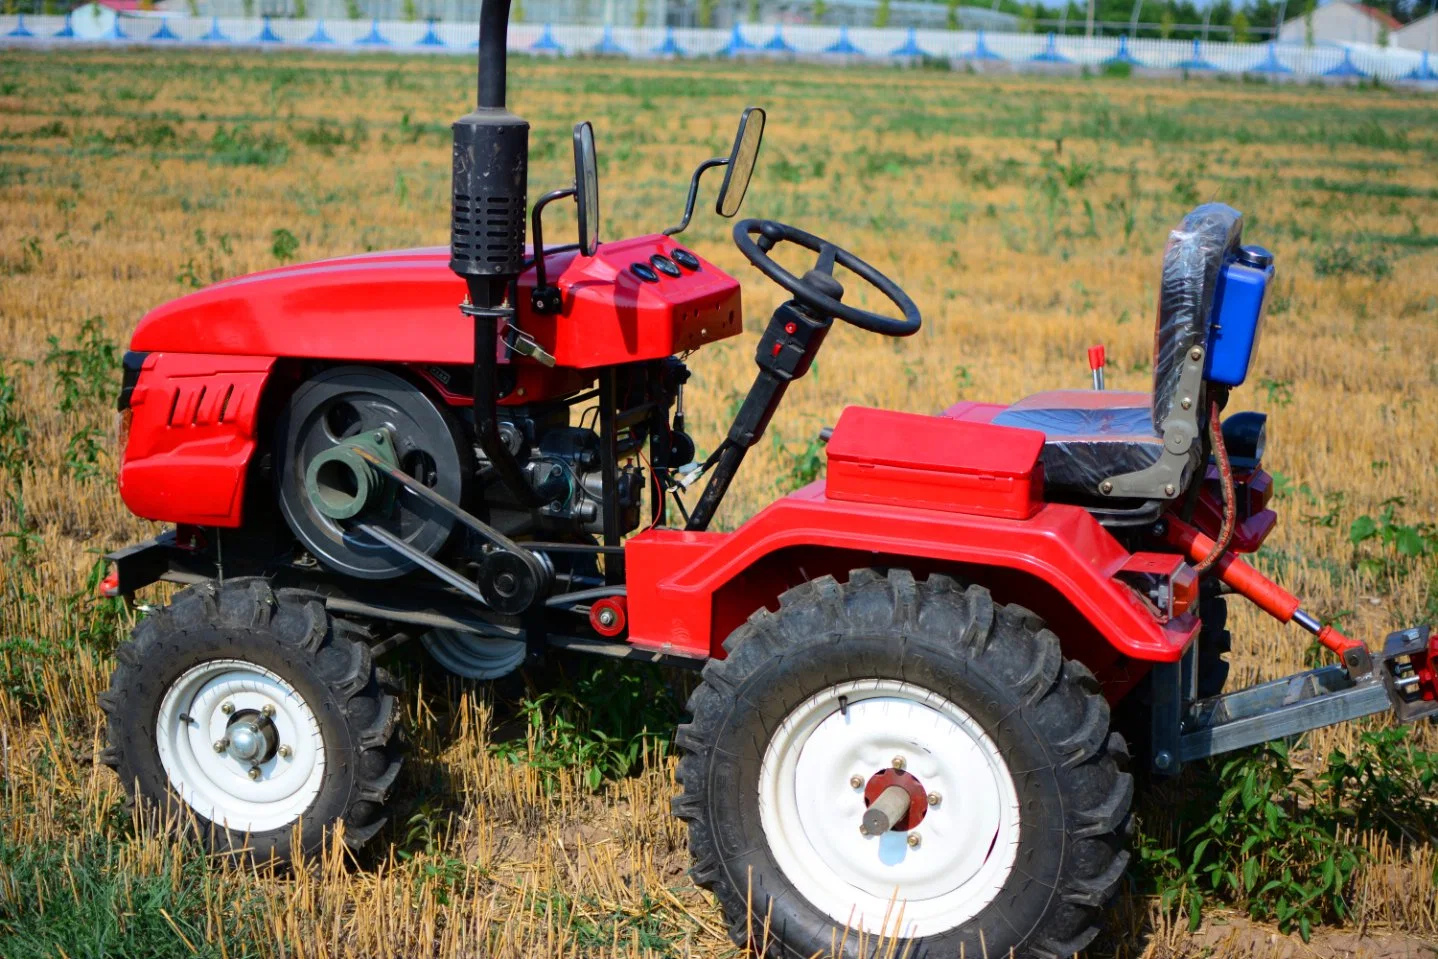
x: 1382, y: 16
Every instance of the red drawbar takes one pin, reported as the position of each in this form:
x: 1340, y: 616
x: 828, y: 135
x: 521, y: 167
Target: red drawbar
x: 930, y: 462
x: 402, y: 306
x: 688, y: 591
x: 191, y: 437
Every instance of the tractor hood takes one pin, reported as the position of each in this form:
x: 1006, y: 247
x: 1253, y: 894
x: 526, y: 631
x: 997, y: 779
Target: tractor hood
x: 397, y: 306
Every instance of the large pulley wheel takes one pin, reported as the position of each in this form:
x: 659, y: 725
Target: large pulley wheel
x: 472, y: 656
x: 326, y: 491
x: 258, y: 717
x: 891, y: 759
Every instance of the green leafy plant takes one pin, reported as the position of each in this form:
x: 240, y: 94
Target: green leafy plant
x: 1279, y: 392
x: 1265, y: 840
x: 799, y: 469
x: 14, y: 430
x: 82, y: 453
x: 284, y: 245
x: 1339, y: 259
x: 86, y: 370
x: 603, y: 723
x: 32, y: 254
x: 1385, y: 547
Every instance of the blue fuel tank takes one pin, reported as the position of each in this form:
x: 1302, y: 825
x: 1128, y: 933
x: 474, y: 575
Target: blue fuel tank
x: 1237, y: 317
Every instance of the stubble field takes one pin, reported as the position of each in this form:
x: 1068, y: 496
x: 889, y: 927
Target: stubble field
x: 1025, y: 215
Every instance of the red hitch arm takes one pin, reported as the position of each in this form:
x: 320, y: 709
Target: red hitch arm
x: 1266, y: 594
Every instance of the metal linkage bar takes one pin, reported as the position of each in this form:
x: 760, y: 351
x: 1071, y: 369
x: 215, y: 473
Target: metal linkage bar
x: 1274, y: 710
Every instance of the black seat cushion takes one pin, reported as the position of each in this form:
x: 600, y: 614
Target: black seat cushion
x: 1090, y: 435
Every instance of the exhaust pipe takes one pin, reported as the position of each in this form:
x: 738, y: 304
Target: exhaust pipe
x: 486, y: 239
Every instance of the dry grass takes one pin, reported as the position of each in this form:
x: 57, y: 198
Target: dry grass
x: 1024, y: 215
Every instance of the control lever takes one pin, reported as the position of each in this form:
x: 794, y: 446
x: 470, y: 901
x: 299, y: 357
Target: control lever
x: 1096, y: 364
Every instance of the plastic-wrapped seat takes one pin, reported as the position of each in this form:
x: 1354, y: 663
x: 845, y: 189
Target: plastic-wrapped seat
x: 1088, y: 433
x: 1147, y: 446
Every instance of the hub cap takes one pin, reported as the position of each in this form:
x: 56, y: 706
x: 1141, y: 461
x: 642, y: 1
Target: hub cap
x: 240, y: 746
x: 926, y: 880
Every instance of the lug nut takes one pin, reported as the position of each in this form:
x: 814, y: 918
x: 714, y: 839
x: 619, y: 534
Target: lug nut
x: 935, y: 799
x: 914, y: 840
x: 254, y: 772
x: 856, y: 781
x: 606, y: 616
x: 267, y: 710
x: 221, y: 745
x: 286, y: 752
x: 899, y: 762
x: 227, y: 708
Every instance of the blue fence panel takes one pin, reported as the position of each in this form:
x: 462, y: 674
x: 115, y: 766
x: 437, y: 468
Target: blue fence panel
x: 1339, y: 62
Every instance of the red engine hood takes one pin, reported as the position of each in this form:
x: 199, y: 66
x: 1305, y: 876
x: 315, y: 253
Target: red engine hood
x: 402, y: 306
x: 399, y: 304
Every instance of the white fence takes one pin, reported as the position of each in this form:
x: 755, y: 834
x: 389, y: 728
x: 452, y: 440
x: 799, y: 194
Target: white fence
x: 839, y: 44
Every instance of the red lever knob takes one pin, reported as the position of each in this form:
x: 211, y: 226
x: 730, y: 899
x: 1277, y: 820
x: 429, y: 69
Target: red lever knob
x: 1095, y: 357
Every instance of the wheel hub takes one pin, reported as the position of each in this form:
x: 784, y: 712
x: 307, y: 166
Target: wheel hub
x: 866, y: 747
x: 253, y: 739
x: 240, y: 745
x: 918, y: 802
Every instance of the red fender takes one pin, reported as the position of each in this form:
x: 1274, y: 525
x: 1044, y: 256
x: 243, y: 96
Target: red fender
x: 687, y: 591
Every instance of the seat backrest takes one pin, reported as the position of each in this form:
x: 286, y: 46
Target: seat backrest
x: 1192, y: 260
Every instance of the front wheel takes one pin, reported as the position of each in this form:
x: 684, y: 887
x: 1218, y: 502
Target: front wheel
x: 888, y: 759
x: 260, y: 713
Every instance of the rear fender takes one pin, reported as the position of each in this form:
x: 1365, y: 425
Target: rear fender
x: 687, y: 591
x: 192, y: 435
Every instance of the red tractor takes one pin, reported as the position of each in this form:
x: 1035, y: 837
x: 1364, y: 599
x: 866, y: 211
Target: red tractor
x: 909, y: 667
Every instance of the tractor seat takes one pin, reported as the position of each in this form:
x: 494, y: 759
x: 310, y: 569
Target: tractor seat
x: 1111, y: 446
x: 1089, y: 435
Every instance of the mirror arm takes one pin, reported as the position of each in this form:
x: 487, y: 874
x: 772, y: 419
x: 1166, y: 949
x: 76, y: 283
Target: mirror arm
x: 694, y: 194
x: 544, y: 298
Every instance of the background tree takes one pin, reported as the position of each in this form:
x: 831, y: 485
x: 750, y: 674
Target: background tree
x: 1240, y: 27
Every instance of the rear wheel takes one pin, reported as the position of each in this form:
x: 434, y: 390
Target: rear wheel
x: 259, y: 713
x: 1214, y: 642
x: 906, y: 760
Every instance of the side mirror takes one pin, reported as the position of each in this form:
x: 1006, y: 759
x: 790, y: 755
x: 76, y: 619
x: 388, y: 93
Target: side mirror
x: 586, y: 187
x: 740, y: 168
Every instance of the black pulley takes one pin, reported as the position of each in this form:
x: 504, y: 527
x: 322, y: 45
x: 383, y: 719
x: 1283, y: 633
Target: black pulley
x: 326, y: 490
x: 511, y: 582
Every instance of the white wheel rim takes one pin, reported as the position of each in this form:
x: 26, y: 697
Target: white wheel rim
x: 473, y: 656
x: 811, y: 814
x: 217, y: 784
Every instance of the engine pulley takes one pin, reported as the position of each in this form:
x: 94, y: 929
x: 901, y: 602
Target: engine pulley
x: 325, y: 489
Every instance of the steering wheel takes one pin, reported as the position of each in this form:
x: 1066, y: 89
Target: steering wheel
x: 818, y: 289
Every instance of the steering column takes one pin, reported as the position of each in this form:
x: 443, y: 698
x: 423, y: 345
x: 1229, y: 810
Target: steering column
x: 795, y: 332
